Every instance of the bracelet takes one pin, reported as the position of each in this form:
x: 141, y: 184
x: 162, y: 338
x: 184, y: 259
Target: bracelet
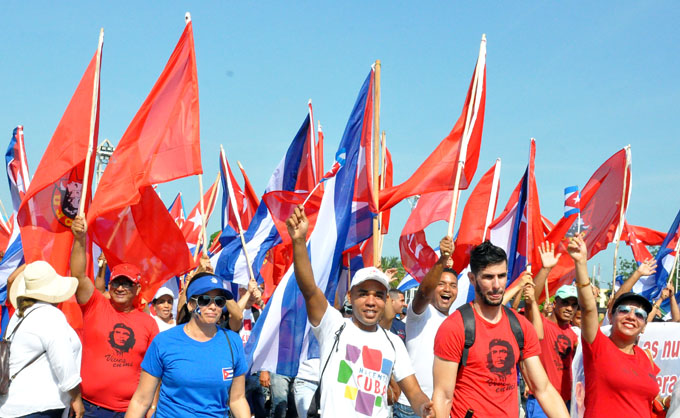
x: 582, y: 285
x: 153, y: 407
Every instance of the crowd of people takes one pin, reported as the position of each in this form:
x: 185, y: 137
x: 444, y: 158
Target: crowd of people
x: 378, y: 357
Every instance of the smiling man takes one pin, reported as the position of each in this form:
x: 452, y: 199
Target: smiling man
x: 115, y: 335
x: 357, y: 355
x: 482, y: 377
x: 424, y: 315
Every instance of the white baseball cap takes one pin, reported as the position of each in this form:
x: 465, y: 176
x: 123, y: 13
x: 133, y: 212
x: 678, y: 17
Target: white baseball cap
x: 370, y: 273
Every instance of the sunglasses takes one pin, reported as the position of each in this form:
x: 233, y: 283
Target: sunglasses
x: 127, y: 284
x: 640, y: 313
x: 205, y: 300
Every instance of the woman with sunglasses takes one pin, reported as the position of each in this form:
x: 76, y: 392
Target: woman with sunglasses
x: 620, y: 377
x: 200, y: 367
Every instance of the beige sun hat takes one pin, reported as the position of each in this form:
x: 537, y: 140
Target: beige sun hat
x: 39, y: 281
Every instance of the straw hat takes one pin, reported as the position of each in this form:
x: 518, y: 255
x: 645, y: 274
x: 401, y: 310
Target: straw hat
x: 39, y: 281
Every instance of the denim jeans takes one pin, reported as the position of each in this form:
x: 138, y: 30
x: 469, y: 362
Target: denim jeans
x: 52, y: 413
x: 96, y: 411
x: 534, y: 410
x: 255, y: 396
x: 280, y: 386
x: 304, y: 391
x: 402, y: 411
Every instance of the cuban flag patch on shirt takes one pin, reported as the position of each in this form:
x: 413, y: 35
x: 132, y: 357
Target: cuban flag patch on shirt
x: 227, y: 373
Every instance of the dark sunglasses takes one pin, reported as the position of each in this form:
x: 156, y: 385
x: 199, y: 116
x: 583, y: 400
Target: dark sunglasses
x: 205, y: 300
x: 127, y: 284
x: 640, y: 313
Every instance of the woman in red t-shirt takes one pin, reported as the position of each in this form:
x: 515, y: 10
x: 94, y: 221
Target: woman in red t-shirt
x: 620, y: 377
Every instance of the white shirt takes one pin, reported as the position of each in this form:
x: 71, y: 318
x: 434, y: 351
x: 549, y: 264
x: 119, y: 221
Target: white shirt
x: 358, y: 373
x: 420, y: 332
x: 43, y: 385
x: 310, y: 369
x: 162, y: 325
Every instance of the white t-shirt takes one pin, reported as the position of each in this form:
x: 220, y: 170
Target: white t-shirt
x: 43, y: 385
x: 162, y: 325
x: 420, y: 332
x: 358, y: 373
x: 248, y: 324
x: 310, y: 369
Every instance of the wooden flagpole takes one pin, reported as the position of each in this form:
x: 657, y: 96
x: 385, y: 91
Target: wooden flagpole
x: 93, y: 122
x: 232, y: 202
x: 467, y: 131
x: 201, y: 207
x: 383, y: 170
x: 201, y: 239
x: 619, y: 229
x: 4, y: 211
x: 376, y: 162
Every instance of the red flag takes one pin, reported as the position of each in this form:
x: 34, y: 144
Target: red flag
x: 601, y: 201
x: 438, y: 171
x: 416, y: 255
x: 251, y: 202
x: 307, y: 176
x: 386, y: 180
x: 638, y: 238
x: 477, y: 216
x: 127, y: 218
x: 53, y: 198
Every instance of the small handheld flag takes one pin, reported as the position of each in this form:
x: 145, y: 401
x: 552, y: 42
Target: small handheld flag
x: 572, y: 199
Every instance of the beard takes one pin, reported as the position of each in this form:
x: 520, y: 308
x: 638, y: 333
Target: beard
x: 486, y: 300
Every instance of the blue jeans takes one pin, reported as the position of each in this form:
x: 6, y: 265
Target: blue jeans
x: 280, y: 386
x: 96, y: 411
x: 52, y: 413
x: 534, y: 410
x: 255, y: 396
x: 304, y: 391
x: 402, y: 411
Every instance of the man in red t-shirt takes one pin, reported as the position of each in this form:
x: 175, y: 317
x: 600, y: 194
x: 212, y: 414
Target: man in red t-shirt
x: 115, y: 335
x: 487, y: 384
x: 558, y: 340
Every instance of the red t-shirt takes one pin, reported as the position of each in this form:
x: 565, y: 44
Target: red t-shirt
x: 557, y: 352
x: 617, y: 384
x: 488, y: 383
x: 114, y: 344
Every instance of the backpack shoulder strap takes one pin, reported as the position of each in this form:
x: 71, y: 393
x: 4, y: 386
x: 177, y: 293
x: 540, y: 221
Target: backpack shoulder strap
x: 516, y: 330
x: 334, y: 347
x: 16, y: 327
x: 468, y: 315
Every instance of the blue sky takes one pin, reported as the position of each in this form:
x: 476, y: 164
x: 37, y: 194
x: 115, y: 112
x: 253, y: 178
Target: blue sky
x: 583, y: 78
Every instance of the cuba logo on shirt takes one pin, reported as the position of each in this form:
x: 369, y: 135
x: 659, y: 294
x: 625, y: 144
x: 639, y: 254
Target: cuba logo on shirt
x: 371, y: 373
x: 227, y: 373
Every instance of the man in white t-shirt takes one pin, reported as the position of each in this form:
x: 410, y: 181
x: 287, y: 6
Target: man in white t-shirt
x: 357, y: 355
x: 424, y: 315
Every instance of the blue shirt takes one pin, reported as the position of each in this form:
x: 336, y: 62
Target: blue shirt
x: 195, y: 376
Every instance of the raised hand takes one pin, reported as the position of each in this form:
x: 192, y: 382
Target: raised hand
x: 647, y: 267
x: 528, y: 293
x: 665, y: 293
x: 577, y: 249
x: 79, y: 227
x: 298, y: 224
x: 446, y: 247
x: 547, y: 252
x: 390, y: 273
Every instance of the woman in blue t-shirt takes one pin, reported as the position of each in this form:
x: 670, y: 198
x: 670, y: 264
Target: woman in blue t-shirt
x: 201, y: 366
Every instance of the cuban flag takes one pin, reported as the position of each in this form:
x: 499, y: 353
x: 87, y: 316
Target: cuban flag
x: 665, y: 260
x: 17, y: 167
x: 571, y: 201
x: 281, y: 337
x: 176, y: 210
x: 519, y: 228
x: 261, y: 234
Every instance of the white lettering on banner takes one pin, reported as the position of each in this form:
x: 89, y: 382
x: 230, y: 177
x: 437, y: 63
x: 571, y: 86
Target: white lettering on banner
x: 661, y: 339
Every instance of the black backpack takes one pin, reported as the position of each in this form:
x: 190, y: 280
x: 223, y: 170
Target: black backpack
x: 468, y: 315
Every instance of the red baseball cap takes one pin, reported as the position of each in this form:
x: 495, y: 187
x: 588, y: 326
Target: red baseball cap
x: 127, y: 270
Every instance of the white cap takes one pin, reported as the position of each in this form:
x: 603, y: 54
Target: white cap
x: 163, y: 291
x: 370, y: 273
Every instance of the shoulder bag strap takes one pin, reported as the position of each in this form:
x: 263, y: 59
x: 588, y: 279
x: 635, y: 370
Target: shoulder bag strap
x: 516, y: 330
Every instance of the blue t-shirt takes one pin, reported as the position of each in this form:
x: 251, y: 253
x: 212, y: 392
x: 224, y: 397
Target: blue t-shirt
x: 195, y: 376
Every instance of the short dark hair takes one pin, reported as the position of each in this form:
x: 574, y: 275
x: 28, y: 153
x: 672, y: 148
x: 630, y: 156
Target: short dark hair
x: 450, y: 270
x: 394, y: 292
x: 486, y: 254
